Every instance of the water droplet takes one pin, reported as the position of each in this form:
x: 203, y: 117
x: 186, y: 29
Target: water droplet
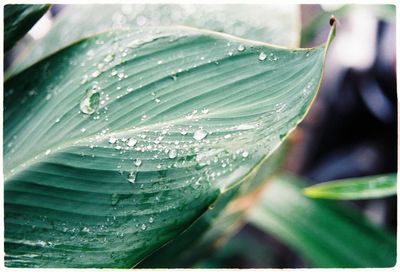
x: 143, y: 227
x: 85, y: 229
x: 132, y: 177
x: 200, y: 134
x: 112, y: 140
x: 96, y: 73
x: 241, y: 48
x: 144, y: 117
x: 151, y: 220
x: 114, y: 72
x: 42, y: 243
x: 138, y: 162
x: 131, y: 142
x: 204, y: 110
x: 83, y: 130
x: 172, y: 154
x: 90, y: 101
x: 227, y: 136
x: 245, y: 154
x: 48, y: 151
x: 262, y: 56
x: 118, y: 147
x: 109, y: 58
x: 272, y: 57
x: 120, y: 76
x: 159, y: 62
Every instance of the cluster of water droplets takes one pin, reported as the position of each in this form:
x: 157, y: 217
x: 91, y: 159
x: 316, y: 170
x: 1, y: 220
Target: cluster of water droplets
x: 270, y: 57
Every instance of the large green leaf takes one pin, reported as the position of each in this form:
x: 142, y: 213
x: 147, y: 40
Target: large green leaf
x: 355, y: 188
x: 281, y: 26
x: 325, y: 234
x: 18, y: 19
x: 124, y: 139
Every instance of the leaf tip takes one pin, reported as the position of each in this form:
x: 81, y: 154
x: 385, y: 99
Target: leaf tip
x: 332, y: 20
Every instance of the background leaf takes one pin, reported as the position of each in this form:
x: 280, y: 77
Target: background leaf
x: 325, y: 234
x: 281, y: 26
x: 18, y: 20
x: 355, y: 188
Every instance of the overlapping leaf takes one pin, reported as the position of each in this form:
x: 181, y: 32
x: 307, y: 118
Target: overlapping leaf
x: 18, y: 19
x: 281, y: 26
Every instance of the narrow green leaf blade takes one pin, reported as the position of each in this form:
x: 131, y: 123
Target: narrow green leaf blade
x: 18, y: 20
x: 355, y: 188
x: 182, y: 116
x: 325, y: 234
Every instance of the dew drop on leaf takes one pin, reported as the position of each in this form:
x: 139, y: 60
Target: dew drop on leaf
x: 262, y: 56
x: 132, y: 177
x: 131, y: 142
x: 241, y: 48
x: 112, y: 140
x: 172, y: 154
x: 109, y: 58
x: 200, y: 134
x: 96, y: 73
x: 118, y: 147
x: 90, y: 101
x: 138, y: 162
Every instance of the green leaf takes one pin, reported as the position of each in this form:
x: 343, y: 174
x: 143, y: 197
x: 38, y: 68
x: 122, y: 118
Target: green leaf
x: 281, y: 26
x: 325, y: 234
x: 355, y: 188
x: 183, y: 115
x: 218, y: 224
x: 18, y: 20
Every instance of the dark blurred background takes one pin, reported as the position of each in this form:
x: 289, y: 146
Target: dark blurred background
x: 351, y: 130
